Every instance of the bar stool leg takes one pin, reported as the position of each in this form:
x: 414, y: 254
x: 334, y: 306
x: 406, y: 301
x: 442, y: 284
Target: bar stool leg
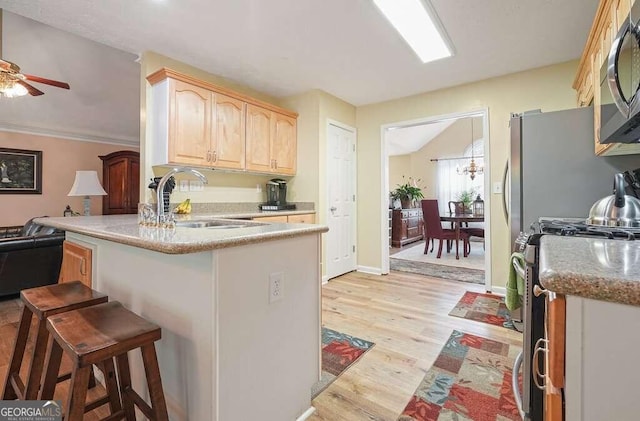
x: 52, y: 366
x: 18, y: 352
x: 154, y: 383
x: 124, y: 376
x: 37, y: 361
x: 77, y: 393
x: 111, y: 385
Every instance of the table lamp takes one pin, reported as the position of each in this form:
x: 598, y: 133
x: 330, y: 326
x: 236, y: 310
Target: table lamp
x: 86, y: 184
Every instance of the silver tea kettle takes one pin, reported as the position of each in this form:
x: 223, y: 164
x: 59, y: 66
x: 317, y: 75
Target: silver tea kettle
x: 617, y: 210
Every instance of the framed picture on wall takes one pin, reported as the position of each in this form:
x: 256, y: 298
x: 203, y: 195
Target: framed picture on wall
x: 20, y: 171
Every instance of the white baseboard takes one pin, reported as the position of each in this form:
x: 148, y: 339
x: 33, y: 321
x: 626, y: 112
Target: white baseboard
x: 370, y: 270
x: 499, y: 290
x: 306, y: 414
x: 325, y: 279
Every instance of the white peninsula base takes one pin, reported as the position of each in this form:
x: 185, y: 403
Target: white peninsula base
x: 227, y: 353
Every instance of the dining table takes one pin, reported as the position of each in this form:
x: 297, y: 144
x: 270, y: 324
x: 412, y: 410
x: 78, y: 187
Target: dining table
x: 458, y: 219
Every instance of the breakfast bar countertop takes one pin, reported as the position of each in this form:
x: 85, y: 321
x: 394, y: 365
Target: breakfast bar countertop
x: 124, y: 229
x: 596, y: 268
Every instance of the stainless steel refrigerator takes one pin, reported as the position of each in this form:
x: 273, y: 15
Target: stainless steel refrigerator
x: 553, y: 170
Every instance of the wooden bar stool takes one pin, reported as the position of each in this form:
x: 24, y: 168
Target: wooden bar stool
x: 98, y: 335
x: 42, y: 302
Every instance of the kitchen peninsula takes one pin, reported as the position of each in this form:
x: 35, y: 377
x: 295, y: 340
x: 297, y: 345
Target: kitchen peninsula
x: 232, y: 347
x: 593, y: 309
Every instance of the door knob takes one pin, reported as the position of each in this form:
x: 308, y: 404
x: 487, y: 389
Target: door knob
x: 333, y: 209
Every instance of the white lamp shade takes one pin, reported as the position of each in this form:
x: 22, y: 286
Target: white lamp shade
x: 86, y: 184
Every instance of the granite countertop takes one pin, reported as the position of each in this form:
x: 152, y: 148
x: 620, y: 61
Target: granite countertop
x: 180, y: 240
x: 596, y: 268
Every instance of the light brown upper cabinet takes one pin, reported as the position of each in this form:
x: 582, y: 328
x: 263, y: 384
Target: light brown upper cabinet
x: 228, y: 138
x: 197, y: 123
x: 271, y: 141
x: 609, y: 18
x: 189, y: 124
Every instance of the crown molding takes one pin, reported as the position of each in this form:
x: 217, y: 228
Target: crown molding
x: 82, y: 137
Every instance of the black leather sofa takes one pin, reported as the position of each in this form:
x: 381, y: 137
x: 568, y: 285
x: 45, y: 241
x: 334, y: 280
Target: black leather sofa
x: 31, y: 259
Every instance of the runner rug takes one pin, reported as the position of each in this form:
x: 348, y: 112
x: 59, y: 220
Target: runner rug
x: 339, y: 352
x: 469, y: 381
x: 486, y: 308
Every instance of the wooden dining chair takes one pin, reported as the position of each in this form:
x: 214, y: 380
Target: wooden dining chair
x: 433, y: 228
x: 457, y: 208
x: 474, y: 232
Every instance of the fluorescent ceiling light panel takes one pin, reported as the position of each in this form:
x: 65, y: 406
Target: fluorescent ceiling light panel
x: 419, y: 25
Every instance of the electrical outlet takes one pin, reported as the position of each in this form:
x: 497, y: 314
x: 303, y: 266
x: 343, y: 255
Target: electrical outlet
x: 196, y: 185
x: 276, y: 287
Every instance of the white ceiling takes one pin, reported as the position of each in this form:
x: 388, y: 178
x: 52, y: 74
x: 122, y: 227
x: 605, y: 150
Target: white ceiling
x: 103, y: 103
x: 346, y: 48
x: 406, y: 140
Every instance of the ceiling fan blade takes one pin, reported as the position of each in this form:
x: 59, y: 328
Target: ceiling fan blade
x: 39, y: 79
x: 32, y: 91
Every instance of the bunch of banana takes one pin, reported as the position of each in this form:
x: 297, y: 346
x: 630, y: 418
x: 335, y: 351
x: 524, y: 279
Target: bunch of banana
x: 184, y: 207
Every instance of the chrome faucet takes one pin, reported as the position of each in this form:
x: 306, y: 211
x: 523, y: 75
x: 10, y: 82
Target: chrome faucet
x: 163, y: 181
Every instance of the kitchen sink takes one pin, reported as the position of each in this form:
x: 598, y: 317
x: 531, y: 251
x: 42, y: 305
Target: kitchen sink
x: 216, y: 224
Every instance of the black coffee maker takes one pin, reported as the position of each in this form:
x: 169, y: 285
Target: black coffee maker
x: 277, y: 195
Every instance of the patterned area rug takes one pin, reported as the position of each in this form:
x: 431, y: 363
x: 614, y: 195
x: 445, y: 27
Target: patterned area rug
x: 339, y: 352
x: 487, y: 308
x: 469, y: 381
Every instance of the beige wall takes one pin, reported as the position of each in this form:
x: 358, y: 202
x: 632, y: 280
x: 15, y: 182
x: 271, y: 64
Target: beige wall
x: 60, y: 160
x: 548, y: 88
x: 315, y: 109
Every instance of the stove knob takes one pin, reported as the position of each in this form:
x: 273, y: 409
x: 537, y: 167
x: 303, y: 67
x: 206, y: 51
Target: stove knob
x: 537, y: 291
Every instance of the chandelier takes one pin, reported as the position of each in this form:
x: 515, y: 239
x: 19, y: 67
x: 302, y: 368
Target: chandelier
x: 472, y: 169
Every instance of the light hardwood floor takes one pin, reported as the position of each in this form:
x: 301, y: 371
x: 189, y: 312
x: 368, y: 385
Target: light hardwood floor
x: 404, y: 314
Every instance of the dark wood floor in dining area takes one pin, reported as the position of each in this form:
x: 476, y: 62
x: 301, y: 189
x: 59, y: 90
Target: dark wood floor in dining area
x: 404, y: 314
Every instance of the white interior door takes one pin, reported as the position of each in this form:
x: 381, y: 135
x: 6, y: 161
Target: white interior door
x: 341, y: 179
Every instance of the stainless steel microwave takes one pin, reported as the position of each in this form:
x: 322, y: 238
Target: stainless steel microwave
x: 620, y: 84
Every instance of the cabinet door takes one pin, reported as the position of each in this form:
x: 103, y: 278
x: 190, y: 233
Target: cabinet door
x: 115, y: 183
x: 228, y: 145
x: 259, y: 139
x: 308, y: 218
x: 190, y: 124
x: 284, y: 144
x: 554, y: 357
x: 76, y: 263
x: 133, y: 185
x: 121, y: 181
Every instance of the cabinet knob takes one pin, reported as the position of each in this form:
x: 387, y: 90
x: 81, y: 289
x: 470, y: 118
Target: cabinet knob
x: 215, y: 156
x: 333, y: 209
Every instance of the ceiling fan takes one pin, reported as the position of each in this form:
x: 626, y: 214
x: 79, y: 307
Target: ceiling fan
x: 14, y: 83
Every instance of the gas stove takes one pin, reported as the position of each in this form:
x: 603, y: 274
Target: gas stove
x: 572, y: 227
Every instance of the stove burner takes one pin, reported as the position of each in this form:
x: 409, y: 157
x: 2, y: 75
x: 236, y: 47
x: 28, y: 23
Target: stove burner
x: 581, y: 229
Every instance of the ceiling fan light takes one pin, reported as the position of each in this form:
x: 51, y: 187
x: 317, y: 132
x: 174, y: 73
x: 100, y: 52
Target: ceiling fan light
x: 9, y: 88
